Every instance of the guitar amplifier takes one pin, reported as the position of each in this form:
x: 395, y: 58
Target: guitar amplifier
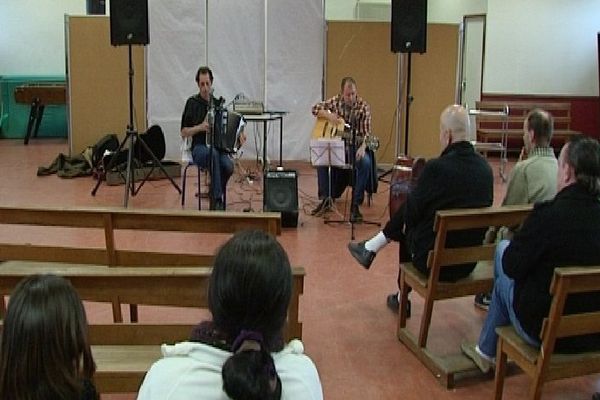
x: 280, y: 193
x: 249, y: 107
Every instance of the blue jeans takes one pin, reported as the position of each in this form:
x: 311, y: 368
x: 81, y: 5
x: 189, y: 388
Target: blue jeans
x: 223, y: 168
x: 501, y: 310
x: 361, y: 179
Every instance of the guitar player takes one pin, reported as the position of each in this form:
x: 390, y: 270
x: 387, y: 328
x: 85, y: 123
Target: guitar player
x: 347, y: 107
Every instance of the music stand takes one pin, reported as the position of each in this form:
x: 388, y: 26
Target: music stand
x: 328, y: 153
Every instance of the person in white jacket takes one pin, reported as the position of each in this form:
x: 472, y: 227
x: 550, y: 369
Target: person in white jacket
x: 240, y: 353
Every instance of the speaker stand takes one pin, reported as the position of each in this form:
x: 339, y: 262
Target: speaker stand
x: 132, y: 137
x: 408, y: 101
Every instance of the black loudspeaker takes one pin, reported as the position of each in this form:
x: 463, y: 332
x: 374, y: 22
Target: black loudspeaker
x: 281, y: 194
x: 96, y: 7
x: 129, y: 22
x: 409, y: 26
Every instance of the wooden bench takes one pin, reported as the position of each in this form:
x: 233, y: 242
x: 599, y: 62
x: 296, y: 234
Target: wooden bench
x: 544, y: 364
x: 133, y: 223
x: 162, y: 286
x: 432, y: 290
x: 125, y: 352
x: 491, y: 127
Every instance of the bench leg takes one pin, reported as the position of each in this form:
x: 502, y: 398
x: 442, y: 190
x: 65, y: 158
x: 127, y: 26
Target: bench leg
x: 40, y: 114
x: 425, y: 322
x: 2, y: 307
x: 117, y: 315
x: 535, y: 390
x: 133, y: 312
x: 403, y: 302
x: 500, y: 370
x: 33, y: 112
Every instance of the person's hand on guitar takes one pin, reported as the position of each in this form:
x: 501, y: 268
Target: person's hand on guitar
x: 332, y: 117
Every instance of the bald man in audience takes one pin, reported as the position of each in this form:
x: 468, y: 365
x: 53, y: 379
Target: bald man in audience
x: 533, y: 177
x: 458, y: 178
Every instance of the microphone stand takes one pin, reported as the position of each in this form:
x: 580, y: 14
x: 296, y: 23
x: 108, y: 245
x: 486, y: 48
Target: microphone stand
x: 352, y: 180
x: 210, y: 142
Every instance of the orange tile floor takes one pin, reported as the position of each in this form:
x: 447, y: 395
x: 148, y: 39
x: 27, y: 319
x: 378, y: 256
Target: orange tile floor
x: 348, y: 331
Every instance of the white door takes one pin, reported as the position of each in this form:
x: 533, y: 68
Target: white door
x: 471, y: 63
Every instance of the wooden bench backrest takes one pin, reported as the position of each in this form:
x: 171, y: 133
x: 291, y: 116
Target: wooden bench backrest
x: 567, y: 281
x: 179, y: 287
x: 543, y: 364
x: 111, y: 219
x: 561, y: 112
x: 469, y: 218
x: 138, y: 334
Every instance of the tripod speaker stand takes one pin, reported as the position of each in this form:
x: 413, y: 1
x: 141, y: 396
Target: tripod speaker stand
x: 129, y: 25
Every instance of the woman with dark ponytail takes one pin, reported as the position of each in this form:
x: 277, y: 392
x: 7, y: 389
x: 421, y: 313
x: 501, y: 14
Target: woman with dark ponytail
x: 45, y: 352
x: 240, y: 354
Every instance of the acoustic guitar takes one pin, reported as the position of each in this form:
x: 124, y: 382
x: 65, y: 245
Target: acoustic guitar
x: 324, y: 129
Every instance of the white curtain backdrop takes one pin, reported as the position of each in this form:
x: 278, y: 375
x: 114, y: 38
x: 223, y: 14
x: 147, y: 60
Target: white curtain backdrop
x: 177, y: 48
x: 294, y: 71
x: 236, y: 54
x: 271, y: 51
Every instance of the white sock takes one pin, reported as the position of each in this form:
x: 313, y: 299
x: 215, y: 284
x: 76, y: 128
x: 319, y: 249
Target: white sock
x: 377, y: 242
x: 485, y: 356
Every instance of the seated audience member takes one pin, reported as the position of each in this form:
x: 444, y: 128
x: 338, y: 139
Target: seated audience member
x: 45, y: 352
x: 533, y: 177
x: 561, y: 232
x: 459, y: 178
x: 240, y: 354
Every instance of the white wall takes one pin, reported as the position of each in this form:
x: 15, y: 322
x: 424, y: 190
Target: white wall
x: 452, y: 11
x: 32, y: 35
x: 542, y: 47
x: 438, y: 11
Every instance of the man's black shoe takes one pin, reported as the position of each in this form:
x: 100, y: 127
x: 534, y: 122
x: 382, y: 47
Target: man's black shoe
x: 219, y: 205
x: 361, y: 254
x: 355, y: 215
x: 483, y: 300
x: 394, y: 305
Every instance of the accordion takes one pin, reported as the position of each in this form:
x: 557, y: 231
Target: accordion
x: 227, y: 128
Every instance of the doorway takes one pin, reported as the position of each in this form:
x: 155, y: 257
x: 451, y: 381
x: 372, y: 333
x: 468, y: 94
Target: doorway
x: 471, y: 58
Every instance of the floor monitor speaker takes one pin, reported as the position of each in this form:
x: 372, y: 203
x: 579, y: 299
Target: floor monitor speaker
x: 129, y: 22
x: 409, y: 26
x: 281, y: 194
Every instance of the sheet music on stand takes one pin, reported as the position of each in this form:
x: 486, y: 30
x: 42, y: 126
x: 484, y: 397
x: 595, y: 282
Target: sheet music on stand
x: 327, y: 152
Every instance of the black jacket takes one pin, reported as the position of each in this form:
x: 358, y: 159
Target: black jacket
x: 561, y: 232
x: 459, y: 178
